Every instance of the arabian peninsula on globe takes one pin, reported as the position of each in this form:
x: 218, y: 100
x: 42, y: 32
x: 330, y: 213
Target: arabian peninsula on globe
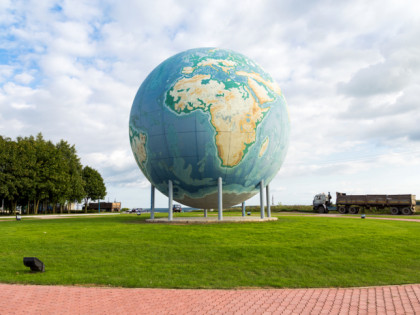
x: 207, y: 113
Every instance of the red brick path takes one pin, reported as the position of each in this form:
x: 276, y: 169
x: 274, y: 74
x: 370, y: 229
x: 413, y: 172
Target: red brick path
x: 30, y: 299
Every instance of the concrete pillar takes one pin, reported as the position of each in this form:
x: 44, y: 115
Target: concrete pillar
x: 205, y: 213
x: 220, y: 201
x: 262, y: 198
x: 170, y: 196
x: 243, y: 208
x: 267, y: 190
x: 152, y: 203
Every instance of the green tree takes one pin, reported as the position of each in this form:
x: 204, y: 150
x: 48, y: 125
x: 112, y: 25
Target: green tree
x: 70, y: 162
x: 94, y: 185
x: 4, y: 148
x: 9, y: 185
x: 45, y: 167
x: 59, y: 177
x: 26, y: 159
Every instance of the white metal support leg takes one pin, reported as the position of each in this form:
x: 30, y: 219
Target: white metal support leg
x: 243, y: 208
x: 267, y: 190
x: 170, y: 196
x: 152, y: 203
x: 220, y: 201
x: 262, y: 198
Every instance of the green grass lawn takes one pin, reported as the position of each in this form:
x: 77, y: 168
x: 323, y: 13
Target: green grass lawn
x: 295, y: 251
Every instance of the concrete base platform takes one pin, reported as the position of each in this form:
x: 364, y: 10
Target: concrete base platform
x: 203, y: 220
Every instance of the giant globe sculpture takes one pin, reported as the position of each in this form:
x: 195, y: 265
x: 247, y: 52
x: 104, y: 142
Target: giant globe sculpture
x: 207, y: 113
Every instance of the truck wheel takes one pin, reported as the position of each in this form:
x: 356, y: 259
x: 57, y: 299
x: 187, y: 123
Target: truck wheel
x: 406, y: 211
x: 353, y: 210
x: 342, y: 209
x: 321, y: 209
x: 394, y: 211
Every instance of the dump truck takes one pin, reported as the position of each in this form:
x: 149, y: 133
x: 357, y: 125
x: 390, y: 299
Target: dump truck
x: 398, y: 204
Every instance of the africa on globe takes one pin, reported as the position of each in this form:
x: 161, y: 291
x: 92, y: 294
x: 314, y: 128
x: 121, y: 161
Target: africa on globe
x: 207, y: 113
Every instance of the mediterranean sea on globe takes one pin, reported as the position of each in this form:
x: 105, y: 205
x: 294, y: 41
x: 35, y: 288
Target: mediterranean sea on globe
x: 207, y: 113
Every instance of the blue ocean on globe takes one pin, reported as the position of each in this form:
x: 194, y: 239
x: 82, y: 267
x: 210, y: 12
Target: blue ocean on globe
x: 207, y: 113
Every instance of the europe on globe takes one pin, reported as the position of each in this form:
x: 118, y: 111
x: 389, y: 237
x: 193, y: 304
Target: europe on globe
x: 207, y: 113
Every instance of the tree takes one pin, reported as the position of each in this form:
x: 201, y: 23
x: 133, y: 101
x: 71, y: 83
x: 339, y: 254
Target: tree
x: 4, y: 148
x: 13, y: 172
x: 74, y: 190
x: 9, y: 175
x: 94, y: 185
x: 26, y: 160
x: 46, y: 166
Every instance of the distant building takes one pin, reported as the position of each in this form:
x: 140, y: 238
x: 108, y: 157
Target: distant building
x: 105, y: 206
x: 73, y: 206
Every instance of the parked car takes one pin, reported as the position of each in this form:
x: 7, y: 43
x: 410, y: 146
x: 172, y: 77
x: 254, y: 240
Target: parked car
x: 177, y: 208
x: 135, y: 210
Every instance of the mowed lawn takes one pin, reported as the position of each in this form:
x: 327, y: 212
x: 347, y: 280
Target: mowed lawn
x: 295, y: 251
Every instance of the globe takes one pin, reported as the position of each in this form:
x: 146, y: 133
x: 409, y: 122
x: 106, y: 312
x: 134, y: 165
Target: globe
x: 207, y: 113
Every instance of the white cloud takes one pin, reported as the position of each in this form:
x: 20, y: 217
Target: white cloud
x: 117, y: 159
x: 381, y: 78
x: 24, y: 78
x: 5, y: 72
x: 22, y: 106
x: 72, y: 39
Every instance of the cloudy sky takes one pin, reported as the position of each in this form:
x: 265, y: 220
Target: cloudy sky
x: 350, y: 71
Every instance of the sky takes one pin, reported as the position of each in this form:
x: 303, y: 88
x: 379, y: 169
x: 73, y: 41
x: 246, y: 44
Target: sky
x: 350, y: 71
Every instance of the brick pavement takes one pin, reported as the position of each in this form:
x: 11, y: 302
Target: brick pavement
x: 31, y: 299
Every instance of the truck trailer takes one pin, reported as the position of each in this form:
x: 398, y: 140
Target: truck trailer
x: 398, y: 204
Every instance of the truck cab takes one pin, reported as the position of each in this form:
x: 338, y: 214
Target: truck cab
x: 321, y: 203
x: 177, y: 208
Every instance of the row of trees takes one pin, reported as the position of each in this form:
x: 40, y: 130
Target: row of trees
x: 37, y: 174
